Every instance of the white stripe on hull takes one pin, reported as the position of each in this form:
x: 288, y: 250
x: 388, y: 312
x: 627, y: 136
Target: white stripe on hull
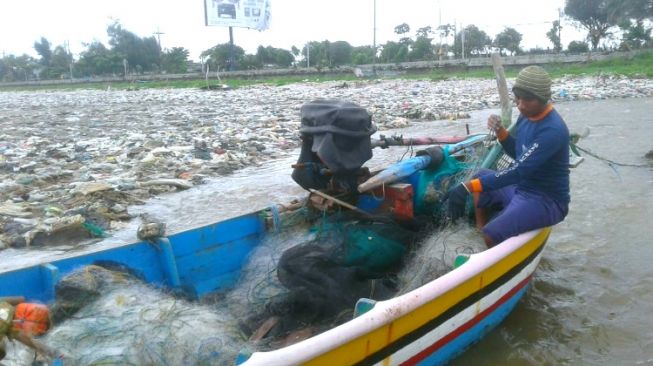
x: 461, y: 318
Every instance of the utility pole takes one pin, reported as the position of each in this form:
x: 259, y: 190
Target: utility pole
x: 455, y: 35
x: 374, y: 43
x: 231, y: 49
x: 462, y: 38
x: 560, y: 28
x: 158, y: 37
x: 440, y: 29
x: 308, y: 55
x: 70, y: 65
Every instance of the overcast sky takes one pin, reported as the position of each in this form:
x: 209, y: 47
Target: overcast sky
x: 293, y: 22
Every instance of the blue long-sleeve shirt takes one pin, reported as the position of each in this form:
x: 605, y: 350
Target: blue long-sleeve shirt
x: 541, y: 153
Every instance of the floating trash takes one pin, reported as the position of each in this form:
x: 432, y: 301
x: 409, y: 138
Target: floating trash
x: 97, y: 152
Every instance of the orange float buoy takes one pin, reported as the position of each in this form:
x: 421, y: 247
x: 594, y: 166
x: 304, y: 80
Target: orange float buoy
x: 32, y: 319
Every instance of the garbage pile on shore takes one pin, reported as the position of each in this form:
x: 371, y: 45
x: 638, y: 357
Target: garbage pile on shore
x: 71, y: 162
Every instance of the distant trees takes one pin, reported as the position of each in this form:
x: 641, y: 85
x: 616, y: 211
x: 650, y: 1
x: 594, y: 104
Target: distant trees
x: 97, y: 59
x: 339, y: 53
x: 445, y: 31
x: 61, y: 63
x: 509, y: 39
x: 619, y: 10
x: 143, y: 54
x: 402, y: 29
x: 315, y: 53
x: 174, y: 61
x: 625, y: 24
x: 635, y: 35
x: 126, y: 50
x: 476, y: 41
x: 577, y: 47
x: 18, y: 68
x: 407, y: 49
x: 422, y: 48
x: 362, y: 55
x: 217, y: 57
x: 393, y: 52
x: 273, y: 56
x: 329, y: 54
x: 591, y: 15
x: 54, y: 63
x: 554, y: 36
x: 295, y: 51
x: 44, y: 50
x: 600, y: 17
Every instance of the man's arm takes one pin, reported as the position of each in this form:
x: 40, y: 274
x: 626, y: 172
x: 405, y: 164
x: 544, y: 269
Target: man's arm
x: 504, y: 137
x: 508, y: 143
x: 545, y: 145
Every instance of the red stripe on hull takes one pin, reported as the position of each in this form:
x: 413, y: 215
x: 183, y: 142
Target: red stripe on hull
x: 463, y: 328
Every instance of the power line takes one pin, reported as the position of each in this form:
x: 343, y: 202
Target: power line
x: 535, y: 23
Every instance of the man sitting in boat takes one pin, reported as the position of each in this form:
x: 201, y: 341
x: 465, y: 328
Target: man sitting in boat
x: 534, y: 191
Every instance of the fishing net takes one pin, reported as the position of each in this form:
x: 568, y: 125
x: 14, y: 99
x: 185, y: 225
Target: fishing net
x: 139, y: 325
x: 106, y: 315
x: 323, y: 277
x: 307, y: 280
x: 17, y: 354
x: 436, y: 255
x: 84, y: 286
x: 350, y: 258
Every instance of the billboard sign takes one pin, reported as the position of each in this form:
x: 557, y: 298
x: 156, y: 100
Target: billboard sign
x: 253, y: 14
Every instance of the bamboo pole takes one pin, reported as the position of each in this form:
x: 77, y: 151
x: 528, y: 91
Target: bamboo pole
x: 506, y: 108
x: 339, y: 202
x: 504, y: 95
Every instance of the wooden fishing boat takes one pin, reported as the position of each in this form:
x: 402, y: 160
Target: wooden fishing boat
x: 429, y: 325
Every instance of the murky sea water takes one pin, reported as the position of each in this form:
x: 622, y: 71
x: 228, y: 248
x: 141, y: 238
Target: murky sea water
x: 591, y: 299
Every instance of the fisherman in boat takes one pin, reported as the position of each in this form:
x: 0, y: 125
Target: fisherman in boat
x: 534, y: 191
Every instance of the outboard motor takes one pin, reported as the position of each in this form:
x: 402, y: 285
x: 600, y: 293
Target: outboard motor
x: 335, y: 145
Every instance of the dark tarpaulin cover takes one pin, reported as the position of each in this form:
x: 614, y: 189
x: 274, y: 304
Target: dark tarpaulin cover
x: 341, y: 133
x: 336, y: 134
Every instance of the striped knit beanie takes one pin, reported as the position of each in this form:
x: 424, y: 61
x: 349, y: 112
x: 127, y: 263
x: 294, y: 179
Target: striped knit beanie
x: 534, y: 80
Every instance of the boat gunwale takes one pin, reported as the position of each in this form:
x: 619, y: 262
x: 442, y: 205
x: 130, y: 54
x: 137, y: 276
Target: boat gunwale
x: 94, y: 251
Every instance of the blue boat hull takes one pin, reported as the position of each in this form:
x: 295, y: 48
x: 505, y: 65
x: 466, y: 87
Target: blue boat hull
x: 193, y: 262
